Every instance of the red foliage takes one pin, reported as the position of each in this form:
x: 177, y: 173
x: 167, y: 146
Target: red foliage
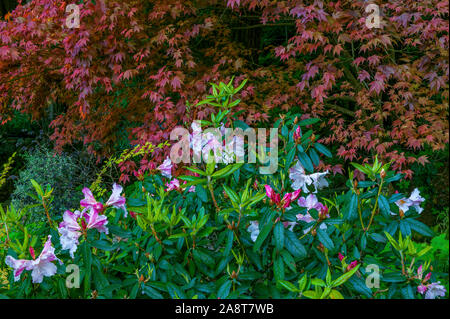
x: 136, y: 63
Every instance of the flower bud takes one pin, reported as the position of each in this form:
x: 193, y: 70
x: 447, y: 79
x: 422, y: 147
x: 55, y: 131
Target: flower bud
x: 32, y: 252
x: 382, y: 173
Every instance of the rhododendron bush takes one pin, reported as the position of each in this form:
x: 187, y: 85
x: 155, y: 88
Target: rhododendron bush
x: 225, y: 230
x: 135, y: 65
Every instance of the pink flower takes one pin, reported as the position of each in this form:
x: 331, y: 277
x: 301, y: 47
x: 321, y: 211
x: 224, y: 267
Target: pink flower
x: 270, y: 192
x: 341, y: 257
x: 89, y: 200
x: 174, y: 184
x: 94, y: 220
x: 166, y: 168
x: 70, y: 231
x: 115, y: 200
x: 297, y: 135
x: 422, y: 288
x: 352, y: 265
x: 42, y: 266
x: 295, y: 194
x: 288, y: 198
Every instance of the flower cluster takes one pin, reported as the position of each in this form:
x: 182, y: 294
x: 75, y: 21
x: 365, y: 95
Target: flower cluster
x: 431, y: 290
x: 74, y: 224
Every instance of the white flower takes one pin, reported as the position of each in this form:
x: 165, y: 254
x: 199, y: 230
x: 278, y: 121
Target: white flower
x: 299, y: 178
x: 414, y: 200
x: 319, y: 181
x: 253, y: 229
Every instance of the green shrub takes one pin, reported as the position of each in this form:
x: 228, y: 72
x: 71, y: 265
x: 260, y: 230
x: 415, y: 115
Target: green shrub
x: 47, y: 168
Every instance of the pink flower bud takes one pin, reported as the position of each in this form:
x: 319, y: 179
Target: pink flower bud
x: 341, y: 257
x: 32, y: 252
x: 352, y: 265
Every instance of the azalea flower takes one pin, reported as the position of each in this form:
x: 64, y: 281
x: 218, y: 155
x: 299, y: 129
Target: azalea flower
x: 432, y: 290
x: 299, y: 178
x: 311, y: 202
x: 319, y: 181
x: 96, y: 221
x: 422, y: 288
x: 288, y: 198
x: 174, y: 184
x: 166, y: 168
x: 253, y: 229
x: 115, y: 200
x: 414, y: 200
x: 41, y: 266
x: 71, y: 230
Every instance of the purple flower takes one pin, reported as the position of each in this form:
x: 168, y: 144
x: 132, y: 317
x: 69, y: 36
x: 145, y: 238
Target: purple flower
x: 42, y: 266
x: 166, y: 168
x: 310, y: 202
x: 432, y: 290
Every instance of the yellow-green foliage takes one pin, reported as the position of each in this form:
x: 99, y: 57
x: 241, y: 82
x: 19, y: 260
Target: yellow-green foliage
x: 6, y: 168
x: 126, y: 155
x: 4, y: 277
